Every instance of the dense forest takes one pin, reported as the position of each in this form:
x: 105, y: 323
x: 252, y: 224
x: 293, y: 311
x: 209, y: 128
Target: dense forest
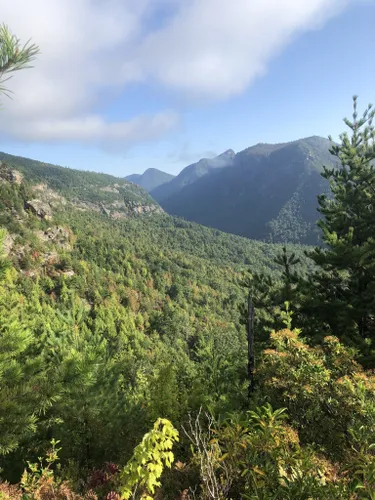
x: 146, y: 357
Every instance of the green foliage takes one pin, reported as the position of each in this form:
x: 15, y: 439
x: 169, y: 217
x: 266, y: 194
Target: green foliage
x: 327, y: 394
x: 79, y: 185
x: 13, y: 56
x: 22, y: 378
x: 140, y: 476
x: 105, y: 325
x: 259, y: 456
x: 40, y: 473
x: 4, y: 264
x: 342, y: 291
x: 311, y: 439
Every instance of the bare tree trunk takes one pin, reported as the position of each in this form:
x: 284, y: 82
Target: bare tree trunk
x: 250, y: 346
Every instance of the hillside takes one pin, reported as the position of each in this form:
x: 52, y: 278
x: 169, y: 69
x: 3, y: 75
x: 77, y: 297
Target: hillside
x: 108, y: 323
x: 44, y: 192
x: 117, y: 198
x: 150, y: 179
x: 266, y: 192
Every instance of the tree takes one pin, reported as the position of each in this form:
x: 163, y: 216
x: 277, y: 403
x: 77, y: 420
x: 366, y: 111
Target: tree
x: 13, y: 56
x: 22, y: 378
x: 343, y: 289
x: 141, y: 475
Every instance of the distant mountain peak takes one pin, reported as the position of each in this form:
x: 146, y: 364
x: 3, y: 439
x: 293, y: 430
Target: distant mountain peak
x: 150, y: 179
x: 229, y: 152
x: 267, y: 191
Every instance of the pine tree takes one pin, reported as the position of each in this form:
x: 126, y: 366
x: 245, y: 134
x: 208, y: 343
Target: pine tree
x: 22, y: 381
x: 13, y: 56
x: 343, y: 287
x: 289, y: 274
x: 4, y: 264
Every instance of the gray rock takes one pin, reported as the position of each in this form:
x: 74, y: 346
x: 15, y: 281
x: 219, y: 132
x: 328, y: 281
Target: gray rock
x: 10, y: 175
x: 58, y: 235
x: 39, y: 208
x: 8, y: 244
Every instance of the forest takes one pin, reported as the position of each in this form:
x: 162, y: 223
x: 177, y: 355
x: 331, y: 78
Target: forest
x: 147, y: 357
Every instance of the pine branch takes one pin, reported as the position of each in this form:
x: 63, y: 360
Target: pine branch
x: 13, y: 56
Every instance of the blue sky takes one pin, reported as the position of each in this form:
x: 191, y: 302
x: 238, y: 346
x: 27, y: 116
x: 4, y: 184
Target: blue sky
x: 171, y: 110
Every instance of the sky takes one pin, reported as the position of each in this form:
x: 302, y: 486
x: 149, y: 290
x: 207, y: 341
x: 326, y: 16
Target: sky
x: 124, y: 85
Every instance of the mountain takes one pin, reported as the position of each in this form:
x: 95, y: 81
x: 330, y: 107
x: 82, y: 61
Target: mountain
x: 115, y: 319
x: 32, y: 191
x: 121, y: 321
x: 191, y: 174
x: 55, y: 185
x: 150, y: 179
x: 267, y: 192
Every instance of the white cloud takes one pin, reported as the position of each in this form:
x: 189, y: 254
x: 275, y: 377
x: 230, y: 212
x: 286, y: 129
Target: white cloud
x: 215, y: 48
x: 185, y: 154
x: 211, y: 49
x: 93, y: 129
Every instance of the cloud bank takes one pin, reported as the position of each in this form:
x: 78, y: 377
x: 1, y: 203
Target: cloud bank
x: 205, y: 49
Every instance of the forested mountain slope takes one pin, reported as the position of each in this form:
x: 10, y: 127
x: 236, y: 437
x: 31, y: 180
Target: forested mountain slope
x: 109, y: 323
x: 192, y: 173
x: 150, y: 179
x: 144, y: 357
x: 143, y: 289
x: 117, y: 198
x: 266, y: 192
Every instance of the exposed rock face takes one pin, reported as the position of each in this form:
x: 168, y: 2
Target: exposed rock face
x: 48, y: 195
x: 138, y: 208
x: 118, y: 204
x: 121, y: 210
x: 118, y: 215
x: 105, y: 210
x: 39, y: 208
x: 58, y: 235
x: 109, y: 189
x: 9, y: 174
x: 85, y: 205
x: 68, y: 274
x: 8, y: 244
x: 50, y: 258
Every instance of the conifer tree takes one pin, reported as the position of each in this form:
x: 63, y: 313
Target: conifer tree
x: 343, y: 289
x: 22, y: 381
x: 13, y: 56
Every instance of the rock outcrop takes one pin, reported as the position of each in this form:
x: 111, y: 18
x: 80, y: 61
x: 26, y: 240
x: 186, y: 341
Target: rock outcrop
x: 39, y: 208
x: 138, y: 208
x: 59, y: 236
x: 10, y: 175
x: 8, y: 243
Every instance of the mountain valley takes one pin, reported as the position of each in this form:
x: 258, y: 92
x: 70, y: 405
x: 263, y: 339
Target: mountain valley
x: 266, y: 192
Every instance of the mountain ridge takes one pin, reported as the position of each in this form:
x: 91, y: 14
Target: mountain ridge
x: 191, y: 173
x: 117, y: 198
x: 267, y: 191
x: 150, y: 179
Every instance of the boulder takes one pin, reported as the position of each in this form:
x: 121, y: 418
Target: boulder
x: 39, y: 208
